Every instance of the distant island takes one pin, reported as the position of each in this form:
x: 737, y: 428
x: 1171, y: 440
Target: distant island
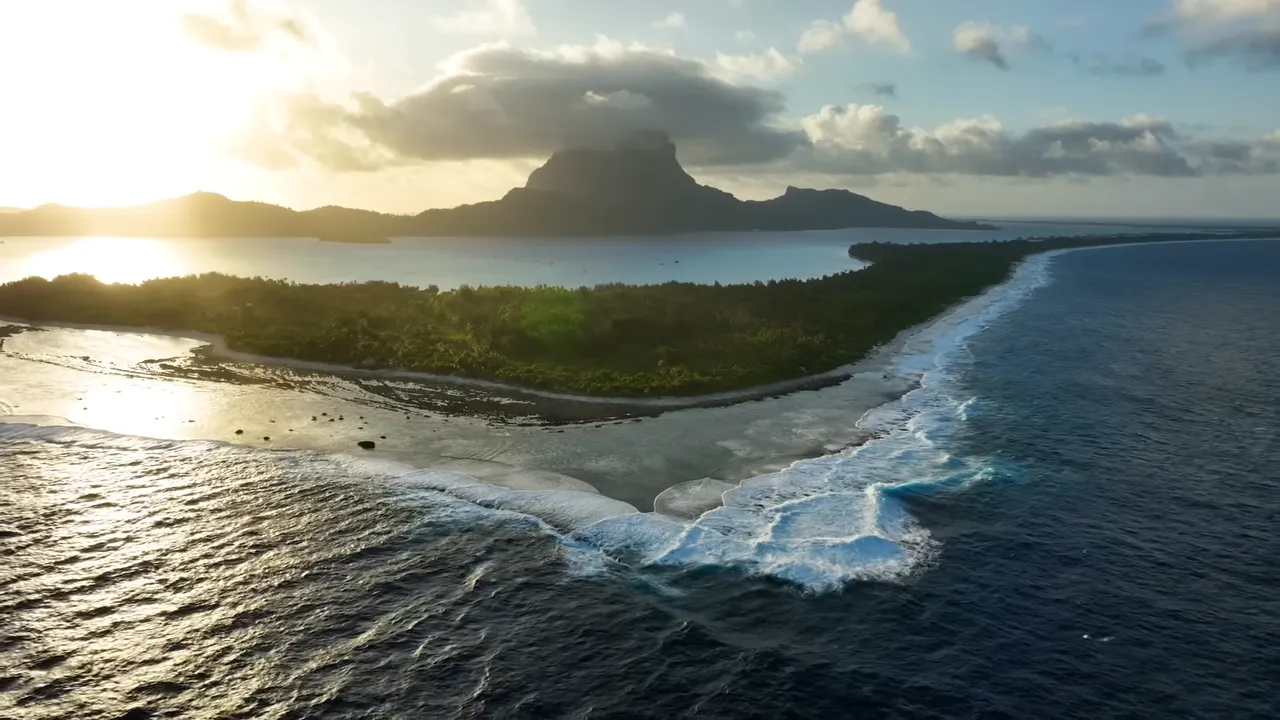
x: 635, y: 188
x: 611, y: 340
x: 360, y: 239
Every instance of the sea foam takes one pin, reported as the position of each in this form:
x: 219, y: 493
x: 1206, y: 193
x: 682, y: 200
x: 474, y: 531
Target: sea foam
x: 820, y: 523
x: 824, y: 522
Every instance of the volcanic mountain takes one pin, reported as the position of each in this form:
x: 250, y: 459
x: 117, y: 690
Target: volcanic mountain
x: 636, y: 187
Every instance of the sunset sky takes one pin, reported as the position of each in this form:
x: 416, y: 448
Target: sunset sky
x: 968, y: 107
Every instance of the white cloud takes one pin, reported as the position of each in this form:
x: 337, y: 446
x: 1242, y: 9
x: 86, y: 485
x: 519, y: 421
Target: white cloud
x: 499, y: 18
x: 985, y: 42
x: 673, y: 21
x: 867, y: 140
x: 821, y: 35
x: 745, y: 36
x: 1217, y: 11
x: 1245, y: 30
x: 767, y: 65
x: 867, y: 21
x: 870, y: 21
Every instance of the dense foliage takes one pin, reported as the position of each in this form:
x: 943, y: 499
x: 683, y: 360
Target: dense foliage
x: 672, y: 339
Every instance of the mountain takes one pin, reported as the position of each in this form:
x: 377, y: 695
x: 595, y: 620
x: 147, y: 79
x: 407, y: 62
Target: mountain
x: 636, y: 187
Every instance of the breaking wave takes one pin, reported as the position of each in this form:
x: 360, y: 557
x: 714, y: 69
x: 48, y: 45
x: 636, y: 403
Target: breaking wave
x: 819, y: 524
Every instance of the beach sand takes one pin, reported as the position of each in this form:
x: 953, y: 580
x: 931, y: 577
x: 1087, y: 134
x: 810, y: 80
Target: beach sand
x: 153, y: 385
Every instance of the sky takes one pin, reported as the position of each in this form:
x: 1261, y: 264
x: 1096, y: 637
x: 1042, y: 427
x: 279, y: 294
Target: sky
x: 977, y: 108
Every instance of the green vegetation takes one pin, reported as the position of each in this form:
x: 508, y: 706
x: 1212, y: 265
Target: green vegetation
x: 672, y: 339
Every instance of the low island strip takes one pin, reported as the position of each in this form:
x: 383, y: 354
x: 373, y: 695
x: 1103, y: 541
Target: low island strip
x: 673, y: 339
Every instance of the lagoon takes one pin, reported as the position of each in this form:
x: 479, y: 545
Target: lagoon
x: 450, y: 262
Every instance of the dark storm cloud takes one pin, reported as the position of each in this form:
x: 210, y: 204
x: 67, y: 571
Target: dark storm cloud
x: 499, y: 102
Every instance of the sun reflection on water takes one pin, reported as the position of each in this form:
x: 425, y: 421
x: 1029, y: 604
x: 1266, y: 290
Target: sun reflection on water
x: 137, y: 407
x: 111, y: 260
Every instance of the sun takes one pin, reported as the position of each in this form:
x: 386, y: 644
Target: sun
x: 110, y: 103
x: 111, y: 260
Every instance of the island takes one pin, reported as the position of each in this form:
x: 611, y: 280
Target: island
x: 356, y: 239
x: 637, y: 187
x: 675, y: 339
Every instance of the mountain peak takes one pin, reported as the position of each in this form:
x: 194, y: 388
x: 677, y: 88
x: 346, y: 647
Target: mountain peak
x: 639, y: 163
x: 646, y: 141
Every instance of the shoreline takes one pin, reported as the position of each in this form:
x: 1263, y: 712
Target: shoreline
x: 634, y: 463
x: 878, y: 359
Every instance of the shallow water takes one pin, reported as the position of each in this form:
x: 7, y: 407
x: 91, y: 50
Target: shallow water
x: 450, y: 262
x: 1073, y: 516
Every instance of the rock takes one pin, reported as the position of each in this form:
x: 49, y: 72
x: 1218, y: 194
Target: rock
x: 367, y: 444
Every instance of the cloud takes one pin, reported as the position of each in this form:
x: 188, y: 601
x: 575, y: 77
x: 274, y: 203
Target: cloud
x: 888, y: 90
x: 243, y: 27
x: 1256, y: 48
x: 985, y: 42
x: 867, y: 21
x: 870, y: 21
x: 1247, y: 31
x: 768, y: 65
x: 745, y: 36
x: 878, y: 89
x: 501, y: 102
x: 493, y: 18
x: 820, y: 35
x: 860, y: 140
x: 1105, y: 65
x: 1219, y: 11
x: 673, y: 21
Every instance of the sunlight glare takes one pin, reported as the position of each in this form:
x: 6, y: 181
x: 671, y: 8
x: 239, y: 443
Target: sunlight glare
x: 131, y: 109
x: 111, y: 260
x: 136, y: 407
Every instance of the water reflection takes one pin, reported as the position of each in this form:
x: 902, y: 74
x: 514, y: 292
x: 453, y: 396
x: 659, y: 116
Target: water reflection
x: 136, y: 407
x: 450, y: 262
x: 124, y: 260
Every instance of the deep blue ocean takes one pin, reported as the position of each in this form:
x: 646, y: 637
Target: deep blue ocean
x: 1076, y: 515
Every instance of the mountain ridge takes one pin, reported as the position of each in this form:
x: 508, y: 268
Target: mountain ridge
x: 638, y: 187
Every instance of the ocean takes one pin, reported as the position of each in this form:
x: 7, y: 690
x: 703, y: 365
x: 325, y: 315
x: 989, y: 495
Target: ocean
x: 1071, y: 513
x: 450, y: 262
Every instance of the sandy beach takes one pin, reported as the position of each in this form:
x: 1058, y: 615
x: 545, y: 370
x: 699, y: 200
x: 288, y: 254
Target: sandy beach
x: 186, y: 386
x: 142, y: 384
